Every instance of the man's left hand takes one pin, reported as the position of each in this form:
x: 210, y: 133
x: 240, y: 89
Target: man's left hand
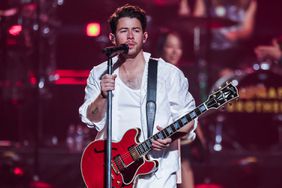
x: 160, y: 144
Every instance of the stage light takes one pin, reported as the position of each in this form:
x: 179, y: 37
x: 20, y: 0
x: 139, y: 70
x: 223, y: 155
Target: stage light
x: 40, y: 184
x: 18, y: 171
x: 32, y: 80
x: 15, y: 30
x: 93, y: 29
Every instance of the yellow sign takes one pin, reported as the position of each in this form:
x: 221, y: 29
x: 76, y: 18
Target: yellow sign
x: 258, y: 99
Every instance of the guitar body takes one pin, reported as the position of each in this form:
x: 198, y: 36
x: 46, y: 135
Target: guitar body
x: 124, y: 168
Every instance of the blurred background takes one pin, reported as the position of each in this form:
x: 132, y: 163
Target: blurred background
x: 47, y: 48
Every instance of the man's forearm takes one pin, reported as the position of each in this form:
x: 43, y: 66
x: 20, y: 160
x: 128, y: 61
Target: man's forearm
x: 96, y: 110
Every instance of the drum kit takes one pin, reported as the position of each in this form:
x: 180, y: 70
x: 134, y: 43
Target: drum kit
x: 254, y: 122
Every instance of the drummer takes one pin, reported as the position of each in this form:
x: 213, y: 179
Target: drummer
x: 272, y: 52
x: 226, y: 43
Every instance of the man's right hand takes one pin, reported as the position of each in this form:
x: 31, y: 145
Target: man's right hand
x: 107, y: 84
x: 96, y: 110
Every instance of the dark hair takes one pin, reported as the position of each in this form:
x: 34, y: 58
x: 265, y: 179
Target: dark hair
x: 128, y: 11
x: 164, y: 33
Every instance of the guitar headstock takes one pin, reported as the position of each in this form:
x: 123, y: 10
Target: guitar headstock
x: 222, y: 96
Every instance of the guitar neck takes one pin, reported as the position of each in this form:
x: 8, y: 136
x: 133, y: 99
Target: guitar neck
x: 146, y: 146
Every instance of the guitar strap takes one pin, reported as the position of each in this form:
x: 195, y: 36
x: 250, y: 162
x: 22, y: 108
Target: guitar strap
x: 151, y: 94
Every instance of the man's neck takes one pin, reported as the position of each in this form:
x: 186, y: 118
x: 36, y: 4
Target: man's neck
x: 132, y: 64
x: 131, y: 71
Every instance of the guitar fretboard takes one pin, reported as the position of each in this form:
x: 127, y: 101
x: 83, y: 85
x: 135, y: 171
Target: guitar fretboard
x: 146, y: 146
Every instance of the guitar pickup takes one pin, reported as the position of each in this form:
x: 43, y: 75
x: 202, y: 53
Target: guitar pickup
x: 119, y: 163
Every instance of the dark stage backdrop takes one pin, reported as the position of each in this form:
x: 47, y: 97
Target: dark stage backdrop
x: 76, y: 51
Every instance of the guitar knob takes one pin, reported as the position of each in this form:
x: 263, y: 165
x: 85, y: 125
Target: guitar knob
x: 118, y: 182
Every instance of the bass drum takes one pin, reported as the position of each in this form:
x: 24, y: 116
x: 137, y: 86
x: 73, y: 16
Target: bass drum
x: 252, y: 122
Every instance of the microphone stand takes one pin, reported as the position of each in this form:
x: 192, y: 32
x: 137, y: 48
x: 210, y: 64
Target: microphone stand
x: 109, y: 127
x: 110, y: 52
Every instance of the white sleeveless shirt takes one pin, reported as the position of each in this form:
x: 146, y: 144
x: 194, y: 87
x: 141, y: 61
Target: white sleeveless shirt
x: 129, y: 106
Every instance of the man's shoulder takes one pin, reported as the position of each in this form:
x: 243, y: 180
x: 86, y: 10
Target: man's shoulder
x: 98, y: 70
x: 165, y: 66
x: 100, y: 67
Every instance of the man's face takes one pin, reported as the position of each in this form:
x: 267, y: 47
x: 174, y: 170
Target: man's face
x: 129, y: 31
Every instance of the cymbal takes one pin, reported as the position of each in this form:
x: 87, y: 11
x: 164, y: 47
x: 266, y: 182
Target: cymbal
x: 189, y: 23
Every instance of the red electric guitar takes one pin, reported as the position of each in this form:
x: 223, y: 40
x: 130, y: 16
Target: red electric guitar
x: 129, y: 156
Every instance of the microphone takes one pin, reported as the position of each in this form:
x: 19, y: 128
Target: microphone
x: 123, y: 48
